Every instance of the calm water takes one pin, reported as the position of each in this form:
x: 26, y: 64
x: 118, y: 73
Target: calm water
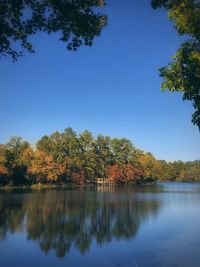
x: 144, y: 226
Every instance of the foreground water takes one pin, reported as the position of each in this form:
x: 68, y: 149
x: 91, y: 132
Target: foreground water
x: 145, y: 226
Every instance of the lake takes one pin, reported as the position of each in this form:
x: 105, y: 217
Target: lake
x: 142, y: 226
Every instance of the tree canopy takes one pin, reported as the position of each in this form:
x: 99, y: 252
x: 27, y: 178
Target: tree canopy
x: 77, y: 22
x: 183, y: 73
x: 68, y: 157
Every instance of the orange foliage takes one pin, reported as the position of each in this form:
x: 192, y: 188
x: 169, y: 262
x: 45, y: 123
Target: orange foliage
x: 79, y: 178
x: 149, y: 165
x: 3, y: 170
x: 132, y: 174
x: 27, y: 155
x: 123, y: 174
x: 45, y: 168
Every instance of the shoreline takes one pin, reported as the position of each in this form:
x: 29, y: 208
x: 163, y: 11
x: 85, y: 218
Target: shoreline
x: 68, y: 185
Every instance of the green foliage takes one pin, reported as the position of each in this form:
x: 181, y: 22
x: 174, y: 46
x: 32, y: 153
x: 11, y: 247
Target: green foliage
x: 180, y: 171
x: 77, y: 23
x: 104, y: 156
x: 17, y: 160
x: 183, y: 73
x: 67, y: 157
x: 190, y: 172
x: 121, y: 150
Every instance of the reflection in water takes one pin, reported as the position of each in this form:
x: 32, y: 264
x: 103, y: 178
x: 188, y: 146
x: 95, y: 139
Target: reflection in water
x: 60, y: 219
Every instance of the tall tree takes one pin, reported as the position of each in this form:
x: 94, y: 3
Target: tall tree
x: 104, y: 155
x: 77, y: 23
x: 150, y: 166
x: 16, y: 159
x: 88, y: 156
x: 121, y: 150
x: 183, y: 73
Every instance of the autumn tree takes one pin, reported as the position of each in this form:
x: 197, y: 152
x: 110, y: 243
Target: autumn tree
x: 190, y: 172
x: 133, y: 174
x: 115, y: 174
x: 149, y: 165
x: 163, y: 173
x: 79, y: 178
x: 67, y: 156
x: 76, y: 22
x: 124, y: 174
x: 183, y: 73
x: 44, y: 169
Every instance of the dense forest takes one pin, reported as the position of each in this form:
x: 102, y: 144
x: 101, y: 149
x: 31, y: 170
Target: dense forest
x: 68, y: 157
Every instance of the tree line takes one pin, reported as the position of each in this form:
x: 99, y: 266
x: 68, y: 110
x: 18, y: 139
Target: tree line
x: 68, y: 157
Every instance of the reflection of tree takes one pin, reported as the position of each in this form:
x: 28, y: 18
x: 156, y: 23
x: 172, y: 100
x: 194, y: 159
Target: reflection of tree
x: 12, y: 215
x: 60, y: 219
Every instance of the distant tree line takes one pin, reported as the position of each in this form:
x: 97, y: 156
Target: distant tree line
x: 66, y: 157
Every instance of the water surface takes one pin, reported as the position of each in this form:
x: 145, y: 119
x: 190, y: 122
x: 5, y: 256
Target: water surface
x: 145, y: 226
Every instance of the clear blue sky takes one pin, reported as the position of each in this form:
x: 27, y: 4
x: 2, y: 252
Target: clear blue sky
x: 111, y: 88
